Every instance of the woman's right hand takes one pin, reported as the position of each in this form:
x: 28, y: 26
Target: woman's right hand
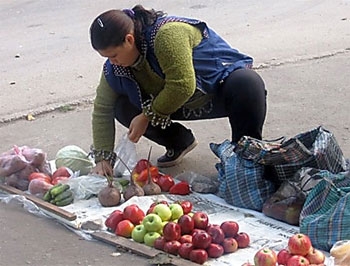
x: 103, y: 168
x: 138, y: 127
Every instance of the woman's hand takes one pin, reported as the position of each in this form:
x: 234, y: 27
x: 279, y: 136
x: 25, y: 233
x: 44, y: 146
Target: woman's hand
x: 138, y: 127
x: 103, y: 168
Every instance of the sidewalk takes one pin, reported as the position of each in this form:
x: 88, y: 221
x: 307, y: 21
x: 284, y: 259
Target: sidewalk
x: 301, y: 96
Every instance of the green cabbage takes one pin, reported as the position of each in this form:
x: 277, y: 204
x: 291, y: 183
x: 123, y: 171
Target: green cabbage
x: 74, y: 158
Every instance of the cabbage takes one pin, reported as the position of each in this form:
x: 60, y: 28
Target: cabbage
x: 74, y: 158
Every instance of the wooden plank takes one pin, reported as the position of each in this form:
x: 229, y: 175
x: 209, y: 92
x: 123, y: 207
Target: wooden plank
x: 40, y: 203
x: 141, y: 249
x: 123, y: 242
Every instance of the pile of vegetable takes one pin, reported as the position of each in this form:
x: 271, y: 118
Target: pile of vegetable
x: 40, y: 183
x: 144, y: 172
x: 145, y: 179
x: 18, y: 163
x: 28, y: 169
x: 59, y: 195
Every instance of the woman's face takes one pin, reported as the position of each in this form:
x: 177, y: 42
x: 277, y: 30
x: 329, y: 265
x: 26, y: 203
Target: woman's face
x: 123, y: 55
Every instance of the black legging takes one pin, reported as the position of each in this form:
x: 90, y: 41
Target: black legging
x: 241, y: 98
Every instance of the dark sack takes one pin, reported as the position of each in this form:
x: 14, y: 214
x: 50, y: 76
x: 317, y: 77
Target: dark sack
x: 241, y: 181
x: 325, y: 216
x: 287, y: 202
x: 316, y: 148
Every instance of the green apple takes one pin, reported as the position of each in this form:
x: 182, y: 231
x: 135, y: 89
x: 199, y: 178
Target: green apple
x: 150, y: 237
x: 152, y: 222
x: 163, y: 211
x: 176, y: 211
x: 138, y: 233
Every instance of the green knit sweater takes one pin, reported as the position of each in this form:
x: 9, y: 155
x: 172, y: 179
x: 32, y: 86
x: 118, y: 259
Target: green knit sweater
x: 173, y: 47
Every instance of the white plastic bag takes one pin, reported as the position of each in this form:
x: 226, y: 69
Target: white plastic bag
x: 126, y: 152
x: 86, y: 186
x: 341, y: 253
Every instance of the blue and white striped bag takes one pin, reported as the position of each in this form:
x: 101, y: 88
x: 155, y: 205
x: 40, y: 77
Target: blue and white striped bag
x: 241, y: 180
x: 325, y: 216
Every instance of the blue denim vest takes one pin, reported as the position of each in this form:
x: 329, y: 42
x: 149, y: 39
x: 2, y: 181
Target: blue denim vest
x: 213, y: 59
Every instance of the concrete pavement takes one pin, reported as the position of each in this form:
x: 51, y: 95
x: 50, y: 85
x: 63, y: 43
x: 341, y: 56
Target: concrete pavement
x: 296, y: 103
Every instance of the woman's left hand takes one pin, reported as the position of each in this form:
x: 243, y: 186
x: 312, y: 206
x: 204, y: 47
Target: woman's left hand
x: 137, y: 127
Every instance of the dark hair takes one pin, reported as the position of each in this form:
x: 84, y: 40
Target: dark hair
x: 110, y: 28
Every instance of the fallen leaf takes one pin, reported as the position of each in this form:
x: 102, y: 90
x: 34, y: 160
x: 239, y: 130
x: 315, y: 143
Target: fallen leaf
x: 30, y: 117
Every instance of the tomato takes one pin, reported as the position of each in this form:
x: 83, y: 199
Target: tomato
x: 181, y: 188
x: 36, y: 175
x: 142, y: 178
x: 57, y: 179
x: 165, y: 182
x: 141, y: 165
x: 61, y: 171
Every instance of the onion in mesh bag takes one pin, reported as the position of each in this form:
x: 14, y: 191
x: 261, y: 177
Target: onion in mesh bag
x: 74, y: 158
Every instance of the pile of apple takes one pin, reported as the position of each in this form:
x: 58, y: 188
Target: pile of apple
x: 299, y: 252
x: 175, y: 229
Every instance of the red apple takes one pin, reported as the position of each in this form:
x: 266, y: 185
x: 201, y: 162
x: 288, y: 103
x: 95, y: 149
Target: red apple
x: 163, y: 202
x: 185, y: 249
x: 297, y: 260
x: 186, y: 223
x: 200, y: 220
x: 159, y: 202
x: 172, y: 247
x: 198, y: 256
x: 186, y: 206
x: 216, y: 233
x: 171, y: 231
x: 315, y: 256
x: 134, y: 214
x: 201, y: 240
x: 150, y: 210
x: 265, y: 257
x: 186, y: 239
x: 243, y: 239
x: 113, y: 219
x: 283, y: 256
x: 215, y: 250
x: 196, y: 230
x: 154, y: 204
x: 124, y: 228
x: 299, y: 244
x: 230, y: 228
x: 151, y: 207
x: 159, y: 243
x: 230, y: 245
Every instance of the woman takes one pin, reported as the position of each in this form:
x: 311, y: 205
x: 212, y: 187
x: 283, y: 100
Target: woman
x: 163, y: 68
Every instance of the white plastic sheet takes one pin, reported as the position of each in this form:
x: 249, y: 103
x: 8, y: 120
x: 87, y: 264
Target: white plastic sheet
x: 263, y: 231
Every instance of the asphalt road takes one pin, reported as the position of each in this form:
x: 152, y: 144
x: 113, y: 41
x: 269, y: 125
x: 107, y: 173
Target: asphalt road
x: 48, y: 69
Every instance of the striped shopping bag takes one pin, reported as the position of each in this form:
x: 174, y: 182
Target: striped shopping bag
x: 316, y: 148
x: 325, y: 216
x: 241, y: 181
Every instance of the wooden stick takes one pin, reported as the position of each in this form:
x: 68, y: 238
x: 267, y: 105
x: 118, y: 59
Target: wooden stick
x: 41, y: 203
x: 140, y: 249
